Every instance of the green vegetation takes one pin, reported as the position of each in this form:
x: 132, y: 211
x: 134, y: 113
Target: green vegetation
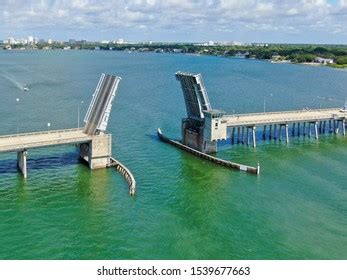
x: 278, y: 52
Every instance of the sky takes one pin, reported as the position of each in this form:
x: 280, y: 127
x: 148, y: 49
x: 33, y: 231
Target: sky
x: 272, y: 21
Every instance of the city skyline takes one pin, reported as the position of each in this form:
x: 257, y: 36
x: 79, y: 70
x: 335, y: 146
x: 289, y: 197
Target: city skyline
x: 305, y: 21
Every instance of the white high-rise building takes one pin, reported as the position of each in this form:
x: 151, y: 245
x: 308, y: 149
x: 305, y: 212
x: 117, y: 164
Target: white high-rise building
x: 11, y: 41
x: 50, y: 41
x: 30, y: 40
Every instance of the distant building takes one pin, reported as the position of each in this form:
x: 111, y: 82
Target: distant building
x: 260, y: 44
x: 104, y: 42
x: 30, y: 40
x: 120, y: 41
x: 11, y: 41
x: 72, y: 41
x: 324, y: 60
x: 50, y: 41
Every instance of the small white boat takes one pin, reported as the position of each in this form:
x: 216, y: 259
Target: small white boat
x: 25, y: 88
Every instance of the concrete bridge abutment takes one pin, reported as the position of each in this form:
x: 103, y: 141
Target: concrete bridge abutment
x: 97, y: 153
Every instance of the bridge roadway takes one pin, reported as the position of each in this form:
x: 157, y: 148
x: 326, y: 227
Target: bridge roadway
x: 24, y: 141
x: 305, y: 115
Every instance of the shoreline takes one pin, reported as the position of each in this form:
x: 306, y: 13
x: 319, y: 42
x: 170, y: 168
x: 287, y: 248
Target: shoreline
x: 311, y: 64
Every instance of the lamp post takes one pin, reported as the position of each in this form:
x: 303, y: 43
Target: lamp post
x: 265, y: 101
x: 78, y: 115
x: 17, y: 102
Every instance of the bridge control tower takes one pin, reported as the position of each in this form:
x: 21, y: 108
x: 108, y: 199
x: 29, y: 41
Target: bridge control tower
x: 203, y: 125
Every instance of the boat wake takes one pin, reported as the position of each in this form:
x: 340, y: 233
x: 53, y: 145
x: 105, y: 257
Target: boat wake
x: 12, y: 80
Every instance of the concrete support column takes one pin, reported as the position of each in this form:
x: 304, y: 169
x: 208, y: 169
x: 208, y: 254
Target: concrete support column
x: 330, y: 128
x: 324, y: 124
x: 247, y: 136
x: 270, y: 132
x: 298, y: 129
x: 243, y: 135
x: 98, y: 152
x: 320, y: 127
x: 316, y: 129
x: 254, y: 141
x: 232, y: 135
x: 293, y: 129
x: 304, y: 129
x: 343, y: 127
x: 264, y: 132
x: 22, y: 162
x: 275, y: 132
x: 337, y: 127
x: 287, y: 136
x: 280, y: 134
x: 238, y: 135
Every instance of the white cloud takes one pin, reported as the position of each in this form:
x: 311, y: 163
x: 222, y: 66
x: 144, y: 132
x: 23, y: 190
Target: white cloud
x: 179, y: 16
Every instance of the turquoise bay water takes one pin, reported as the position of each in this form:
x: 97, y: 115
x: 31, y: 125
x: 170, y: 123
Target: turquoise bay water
x: 185, y: 208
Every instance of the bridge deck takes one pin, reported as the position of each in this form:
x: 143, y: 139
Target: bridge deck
x: 20, y: 142
x: 283, y: 117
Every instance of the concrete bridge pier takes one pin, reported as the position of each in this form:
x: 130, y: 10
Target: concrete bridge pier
x: 287, y: 133
x: 330, y: 127
x: 232, y: 135
x: 275, y: 131
x: 243, y: 135
x: 238, y: 135
x: 270, y: 132
x: 320, y: 127
x: 304, y: 129
x: 253, y: 134
x: 343, y: 127
x: 97, y: 153
x: 22, y: 162
x: 247, y: 136
x: 293, y: 129
x: 299, y: 129
x: 337, y: 127
x: 316, y: 130
x: 264, y: 132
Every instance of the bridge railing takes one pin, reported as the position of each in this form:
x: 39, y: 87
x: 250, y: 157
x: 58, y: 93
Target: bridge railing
x: 282, y: 112
x: 40, y: 132
x: 279, y: 121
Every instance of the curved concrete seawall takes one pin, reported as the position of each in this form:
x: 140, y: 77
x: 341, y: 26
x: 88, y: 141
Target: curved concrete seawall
x: 225, y: 163
x: 126, y: 174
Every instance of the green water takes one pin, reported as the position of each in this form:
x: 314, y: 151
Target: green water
x: 185, y: 208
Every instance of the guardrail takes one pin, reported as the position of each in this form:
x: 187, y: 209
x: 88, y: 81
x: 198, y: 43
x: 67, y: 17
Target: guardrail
x: 283, y: 112
x: 225, y: 163
x: 284, y: 120
x: 41, y: 144
x: 40, y: 132
x: 128, y: 176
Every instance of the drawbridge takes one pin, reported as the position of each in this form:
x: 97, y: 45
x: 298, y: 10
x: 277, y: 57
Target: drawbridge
x: 94, y: 143
x: 204, y: 126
